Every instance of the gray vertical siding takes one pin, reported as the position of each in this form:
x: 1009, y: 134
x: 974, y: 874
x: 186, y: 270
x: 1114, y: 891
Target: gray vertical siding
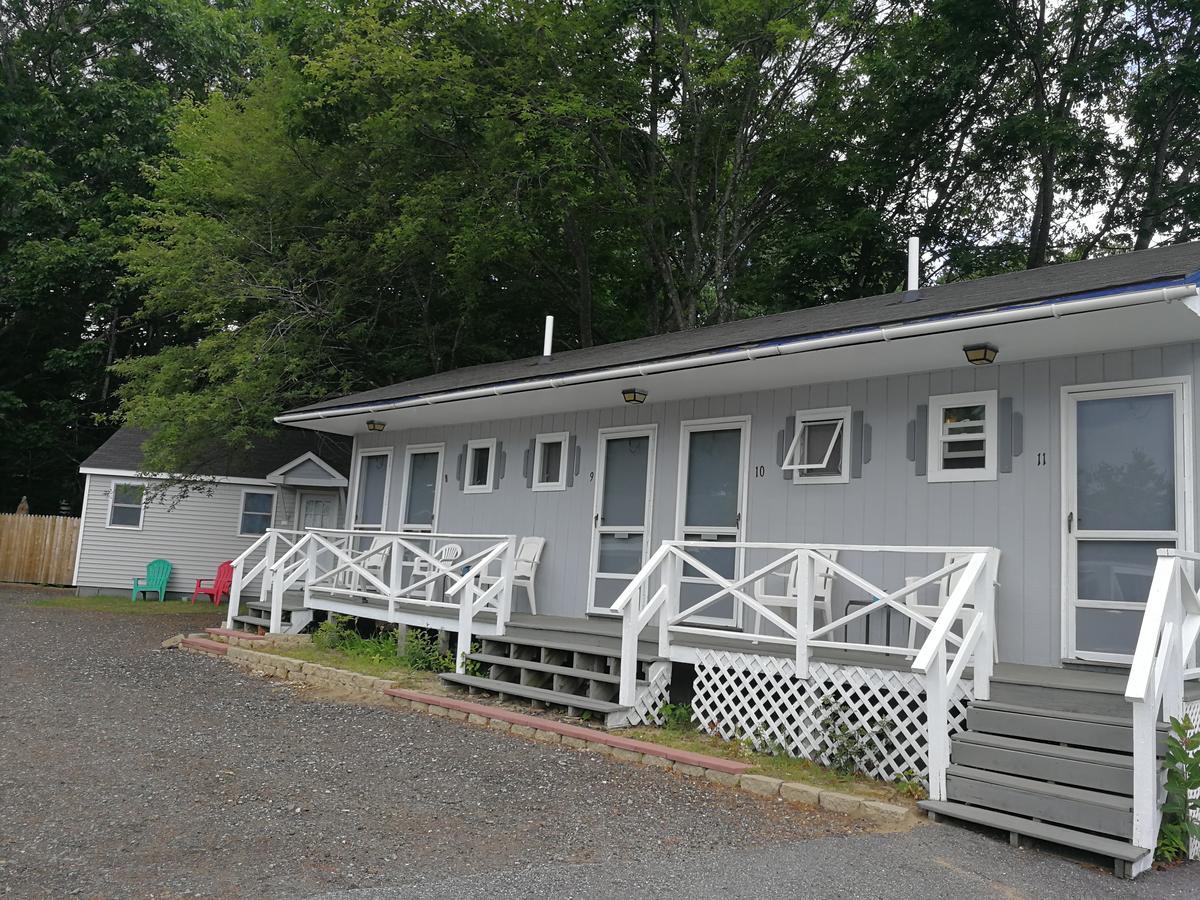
x: 196, y: 535
x: 889, y: 504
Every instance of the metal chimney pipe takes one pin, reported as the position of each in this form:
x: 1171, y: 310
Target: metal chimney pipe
x: 914, y: 263
x: 548, y: 342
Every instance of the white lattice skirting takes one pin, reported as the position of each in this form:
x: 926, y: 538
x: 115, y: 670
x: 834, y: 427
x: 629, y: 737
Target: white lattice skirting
x: 647, y: 707
x: 1192, y: 711
x: 759, y: 699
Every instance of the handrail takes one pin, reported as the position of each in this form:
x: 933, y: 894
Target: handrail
x: 652, y: 596
x: 1155, y: 689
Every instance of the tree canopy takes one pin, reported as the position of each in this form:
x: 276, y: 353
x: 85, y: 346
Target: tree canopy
x: 215, y: 211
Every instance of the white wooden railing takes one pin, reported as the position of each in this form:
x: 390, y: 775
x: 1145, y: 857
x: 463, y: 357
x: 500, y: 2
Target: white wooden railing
x: 1166, y: 642
x: 652, y: 598
x: 380, y: 571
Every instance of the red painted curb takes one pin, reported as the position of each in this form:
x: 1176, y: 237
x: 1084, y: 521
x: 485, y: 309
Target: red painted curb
x: 595, y: 736
x: 204, y: 644
x: 233, y: 632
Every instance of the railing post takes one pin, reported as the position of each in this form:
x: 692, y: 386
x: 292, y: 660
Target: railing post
x: 310, y: 574
x: 235, y: 593
x: 269, y: 553
x: 466, y: 606
x: 936, y: 724
x: 672, y: 573
x: 396, y: 572
x: 276, y: 600
x: 984, y: 602
x: 1145, y: 774
x: 806, y: 576
x: 507, y: 571
x: 629, y: 646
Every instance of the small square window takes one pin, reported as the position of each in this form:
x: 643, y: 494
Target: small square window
x: 820, y: 450
x: 550, y: 462
x: 481, y: 466
x: 258, y: 508
x: 126, y: 503
x: 962, y: 437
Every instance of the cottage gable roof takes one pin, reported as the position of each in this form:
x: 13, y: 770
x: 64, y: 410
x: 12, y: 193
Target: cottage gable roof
x: 123, y: 452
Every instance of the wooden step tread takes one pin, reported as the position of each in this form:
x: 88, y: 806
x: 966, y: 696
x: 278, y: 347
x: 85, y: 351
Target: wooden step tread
x: 1033, y: 786
x: 531, y: 693
x: 1055, y: 834
x: 253, y: 620
x: 535, y: 666
x: 536, y: 641
x: 265, y: 606
x: 1094, y: 718
x: 1044, y: 748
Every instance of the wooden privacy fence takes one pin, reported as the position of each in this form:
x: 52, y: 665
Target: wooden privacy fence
x: 38, y: 549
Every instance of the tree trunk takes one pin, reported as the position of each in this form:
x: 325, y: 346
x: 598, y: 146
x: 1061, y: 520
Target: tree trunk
x: 579, y: 253
x: 1043, y: 213
x: 1148, y: 220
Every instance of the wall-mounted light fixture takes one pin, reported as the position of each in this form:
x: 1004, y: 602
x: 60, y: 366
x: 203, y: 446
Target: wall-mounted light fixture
x: 634, y: 395
x: 980, y: 354
x: 375, y: 425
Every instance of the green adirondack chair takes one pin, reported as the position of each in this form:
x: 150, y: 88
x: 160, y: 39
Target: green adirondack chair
x: 158, y: 573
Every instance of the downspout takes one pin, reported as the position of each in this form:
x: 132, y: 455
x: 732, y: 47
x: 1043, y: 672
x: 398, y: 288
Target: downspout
x: 870, y: 335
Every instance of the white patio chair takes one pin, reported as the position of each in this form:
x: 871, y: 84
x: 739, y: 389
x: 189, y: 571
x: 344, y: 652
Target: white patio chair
x: 529, y: 556
x: 945, y: 587
x: 423, y: 568
x: 822, y: 594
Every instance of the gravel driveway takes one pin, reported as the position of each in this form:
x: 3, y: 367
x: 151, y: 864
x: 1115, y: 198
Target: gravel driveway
x: 126, y: 771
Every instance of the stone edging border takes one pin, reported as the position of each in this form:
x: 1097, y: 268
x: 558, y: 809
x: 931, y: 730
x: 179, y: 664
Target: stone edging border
x: 724, y: 772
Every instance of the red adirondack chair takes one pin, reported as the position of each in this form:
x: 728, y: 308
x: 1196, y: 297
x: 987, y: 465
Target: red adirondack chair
x: 220, y: 584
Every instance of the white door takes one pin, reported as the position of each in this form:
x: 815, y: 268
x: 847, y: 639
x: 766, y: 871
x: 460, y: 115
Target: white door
x: 422, y: 487
x: 621, y: 518
x: 318, y: 511
x: 713, y: 458
x: 1124, y: 486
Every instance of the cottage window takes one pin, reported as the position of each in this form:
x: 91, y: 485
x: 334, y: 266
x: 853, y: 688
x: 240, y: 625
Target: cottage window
x: 481, y: 465
x: 962, y: 437
x: 550, y: 462
x: 258, y: 507
x: 125, y: 504
x: 820, y: 450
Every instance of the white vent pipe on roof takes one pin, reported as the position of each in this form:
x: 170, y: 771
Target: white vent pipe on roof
x: 548, y: 340
x: 914, y: 263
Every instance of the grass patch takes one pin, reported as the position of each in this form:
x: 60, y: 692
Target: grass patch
x: 784, y: 767
x: 126, y: 607
x: 339, y: 659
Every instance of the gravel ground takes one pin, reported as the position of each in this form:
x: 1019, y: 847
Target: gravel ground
x: 133, y: 772
x: 130, y: 771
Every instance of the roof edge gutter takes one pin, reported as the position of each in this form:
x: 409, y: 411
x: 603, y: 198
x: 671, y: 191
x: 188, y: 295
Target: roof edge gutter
x: 946, y: 324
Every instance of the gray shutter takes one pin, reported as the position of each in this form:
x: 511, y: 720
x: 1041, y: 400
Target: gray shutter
x: 461, y: 467
x: 866, y: 443
x: 498, y: 469
x: 527, y: 465
x: 783, y: 442
x: 1004, y: 412
x: 920, y: 440
x: 856, y: 444
x: 573, y: 457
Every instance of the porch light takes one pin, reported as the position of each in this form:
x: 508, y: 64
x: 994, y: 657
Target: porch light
x: 375, y: 425
x: 980, y: 354
x: 634, y: 395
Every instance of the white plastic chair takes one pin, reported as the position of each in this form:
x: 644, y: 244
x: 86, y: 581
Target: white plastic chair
x: 945, y: 587
x: 822, y: 593
x: 529, y: 556
x: 423, y: 568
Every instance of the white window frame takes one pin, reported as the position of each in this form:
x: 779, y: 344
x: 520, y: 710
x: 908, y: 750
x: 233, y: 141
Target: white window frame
x: 554, y: 437
x: 805, y: 417
x: 352, y: 516
x: 274, y: 495
x: 112, y: 493
x: 935, y: 439
x: 472, y: 446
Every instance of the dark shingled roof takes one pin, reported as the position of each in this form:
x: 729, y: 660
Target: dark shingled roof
x: 124, y: 451
x: 1051, y: 282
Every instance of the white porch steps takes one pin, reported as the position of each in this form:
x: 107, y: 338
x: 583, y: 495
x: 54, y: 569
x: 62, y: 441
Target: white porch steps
x: 1048, y: 758
x: 568, y: 664
x: 257, y: 617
